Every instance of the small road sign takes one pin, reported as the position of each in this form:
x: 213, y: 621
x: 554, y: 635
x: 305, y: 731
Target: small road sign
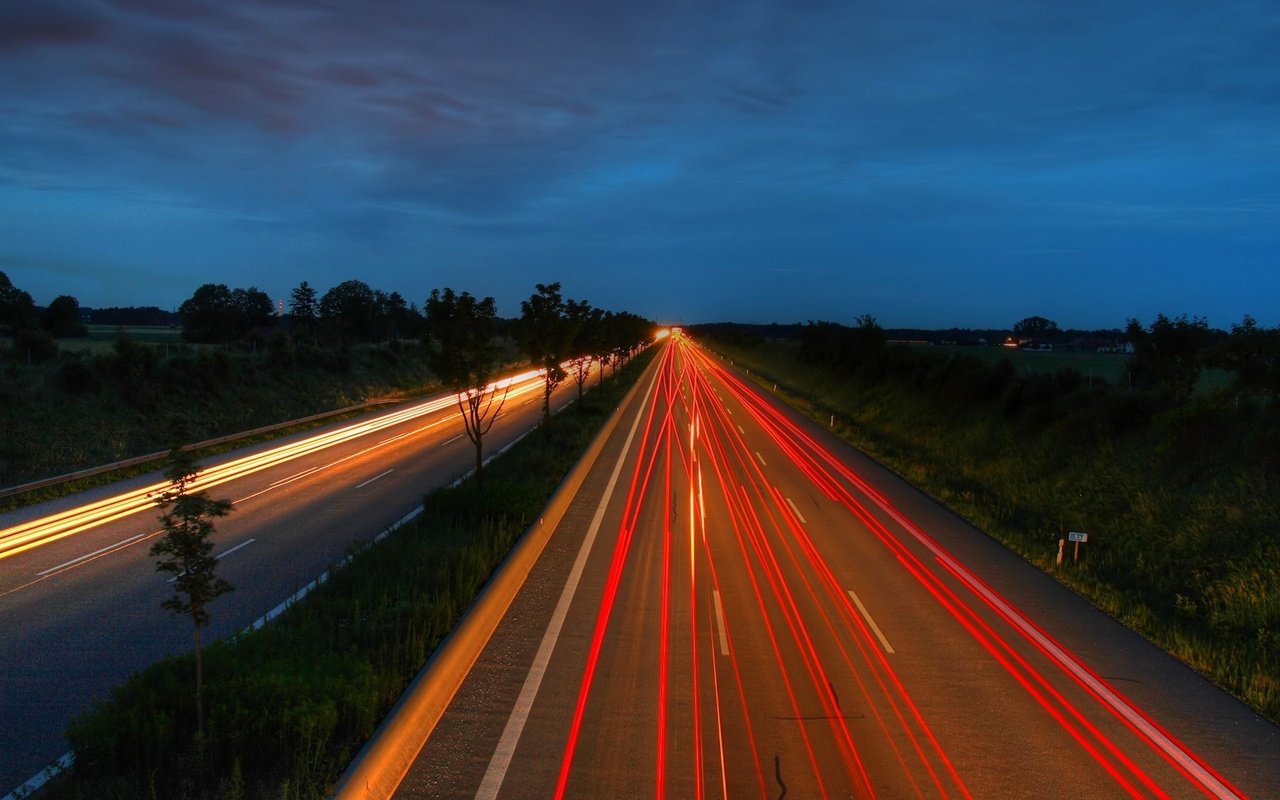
x: 1076, y: 536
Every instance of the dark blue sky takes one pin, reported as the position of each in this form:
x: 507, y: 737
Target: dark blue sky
x: 931, y: 163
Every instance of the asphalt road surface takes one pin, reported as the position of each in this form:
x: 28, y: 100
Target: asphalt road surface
x: 738, y: 605
x: 80, y: 597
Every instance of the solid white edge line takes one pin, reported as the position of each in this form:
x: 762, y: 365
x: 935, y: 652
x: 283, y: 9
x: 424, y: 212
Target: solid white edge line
x: 799, y: 516
x: 376, y: 477
x: 37, y: 781
x: 874, y: 627
x: 721, y: 631
x: 496, y: 772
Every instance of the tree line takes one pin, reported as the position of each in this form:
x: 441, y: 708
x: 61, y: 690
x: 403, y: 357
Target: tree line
x: 1165, y: 357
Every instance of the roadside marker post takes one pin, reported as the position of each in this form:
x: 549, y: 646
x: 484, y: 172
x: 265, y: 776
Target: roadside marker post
x: 1077, y: 537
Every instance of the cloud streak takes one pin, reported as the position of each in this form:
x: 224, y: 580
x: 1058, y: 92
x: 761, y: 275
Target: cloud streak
x: 866, y: 150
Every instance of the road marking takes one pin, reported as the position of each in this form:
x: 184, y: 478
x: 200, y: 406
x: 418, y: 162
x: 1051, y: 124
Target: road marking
x: 293, y: 478
x: 874, y: 627
x: 741, y: 431
x: 376, y: 477
x: 497, y: 770
x: 761, y: 459
x: 799, y: 516
x: 225, y: 553
x: 451, y: 441
x: 88, y: 556
x: 721, y: 633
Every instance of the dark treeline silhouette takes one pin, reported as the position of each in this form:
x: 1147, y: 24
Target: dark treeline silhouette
x: 130, y: 316
x: 1164, y: 363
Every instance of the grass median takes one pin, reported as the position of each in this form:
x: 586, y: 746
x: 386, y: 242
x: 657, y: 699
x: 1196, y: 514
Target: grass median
x: 289, y: 705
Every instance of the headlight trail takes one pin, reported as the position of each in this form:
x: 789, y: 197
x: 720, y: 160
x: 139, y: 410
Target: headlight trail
x: 38, y: 532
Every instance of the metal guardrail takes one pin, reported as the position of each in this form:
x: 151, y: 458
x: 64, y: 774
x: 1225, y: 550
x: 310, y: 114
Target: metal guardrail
x: 136, y: 460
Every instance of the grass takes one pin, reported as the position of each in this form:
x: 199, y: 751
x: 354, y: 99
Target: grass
x: 290, y: 704
x: 88, y: 409
x: 1182, y: 504
x: 1110, y: 367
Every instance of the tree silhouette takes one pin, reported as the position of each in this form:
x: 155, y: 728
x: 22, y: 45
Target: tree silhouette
x: 463, y: 356
x: 544, y: 335
x: 1167, y: 355
x: 1035, y: 328
x: 185, y: 552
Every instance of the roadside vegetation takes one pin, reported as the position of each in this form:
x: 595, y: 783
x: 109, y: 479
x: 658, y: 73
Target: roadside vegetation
x: 76, y: 395
x: 286, y: 707
x: 1176, y: 484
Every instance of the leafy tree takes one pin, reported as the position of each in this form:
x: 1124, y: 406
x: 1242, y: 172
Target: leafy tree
x: 1166, y: 356
x: 1035, y: 328
x: 581, y: 319
x: 304, y: 308
x: 463, y: 355
x: 185, y: 551
x: 350, y: 311
x: 210, y: 315
x: 1253, y: 354
x: 17, y: 310
x: 545, y: 335
x: 62, y: 318
x: 600, y: 335
x: 253, y: 310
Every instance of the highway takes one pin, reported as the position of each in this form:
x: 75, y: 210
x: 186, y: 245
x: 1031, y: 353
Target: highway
x: 79, y: 594
x: 737, y: 605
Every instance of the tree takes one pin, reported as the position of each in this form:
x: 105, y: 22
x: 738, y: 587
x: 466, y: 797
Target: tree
x: 581, y: 319
x: 464, y: 357
x: 544, y: 335
x: 62, y: 318
x: 209, y: 316
x: 1035, y: 328
x: 253, y: 310
x: 1167, y: 355
x: 1253, y: 354
x: 17, y: 310
x: 303, y: 309
x: 185, y: 551
x: 350, y: 311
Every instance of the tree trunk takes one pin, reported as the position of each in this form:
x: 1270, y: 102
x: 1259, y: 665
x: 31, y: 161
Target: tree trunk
x: 479, y: 465
x: 199, y: 686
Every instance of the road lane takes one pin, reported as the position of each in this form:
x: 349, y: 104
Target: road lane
x: 79, y: 613
x: 876, y: 645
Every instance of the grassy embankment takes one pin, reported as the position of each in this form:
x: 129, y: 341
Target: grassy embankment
x: 1182, y: 504
x: 290, y: 704
x: 102, y: 402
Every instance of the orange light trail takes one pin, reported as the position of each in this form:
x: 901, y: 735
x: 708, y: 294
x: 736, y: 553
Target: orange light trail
x: 53, y: 527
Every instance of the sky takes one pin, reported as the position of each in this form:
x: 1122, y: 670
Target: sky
x: 934, y: 164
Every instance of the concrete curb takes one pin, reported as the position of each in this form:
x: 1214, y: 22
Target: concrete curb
x: 381, y: 765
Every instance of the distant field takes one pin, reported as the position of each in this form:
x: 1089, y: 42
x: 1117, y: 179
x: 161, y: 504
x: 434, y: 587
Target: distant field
x: 101, y: 337
x: 1111, y: 367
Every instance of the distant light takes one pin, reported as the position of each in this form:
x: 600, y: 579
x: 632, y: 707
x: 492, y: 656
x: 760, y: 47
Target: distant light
x: 662, y: 333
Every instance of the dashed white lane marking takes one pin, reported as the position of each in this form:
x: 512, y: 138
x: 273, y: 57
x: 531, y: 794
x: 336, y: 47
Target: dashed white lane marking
x: 871, y: 622
x: 225, y: 553
x: 799, y: 516
x: 88, y: 556
x: 720, y: 629
x: 761, y: 459
x: 741, y: 431
x: 376, y: 477
x: 451, y: 441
